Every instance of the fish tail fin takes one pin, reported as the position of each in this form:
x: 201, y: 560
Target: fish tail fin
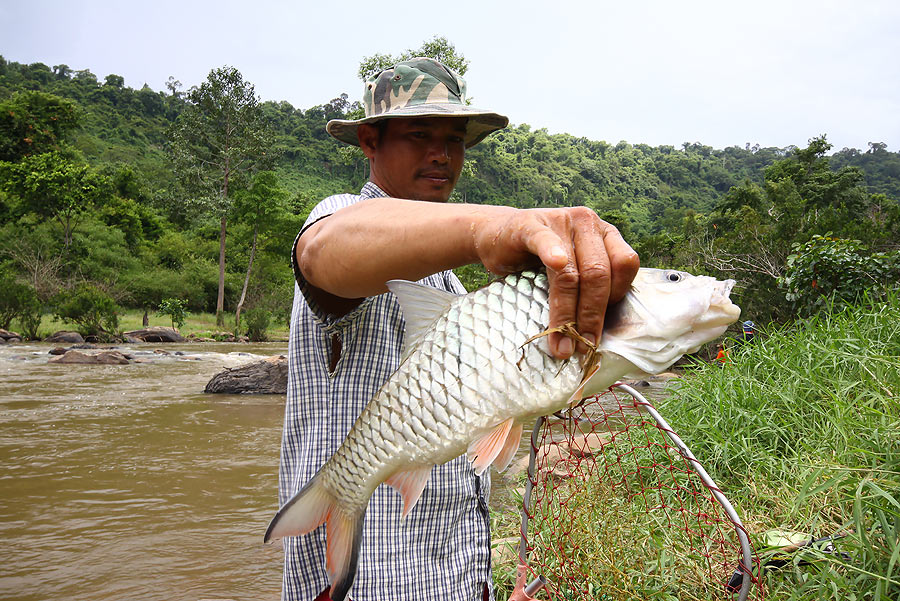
x: 312, y: 506
x: 344, y: 535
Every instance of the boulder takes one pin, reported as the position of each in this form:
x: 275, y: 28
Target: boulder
x: 99, y: 358
x: 65, y: 336
x: 154, y: 334
x: 7, y: 336
x: 267, y: 376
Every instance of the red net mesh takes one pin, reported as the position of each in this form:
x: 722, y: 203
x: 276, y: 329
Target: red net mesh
x: 617, y: 511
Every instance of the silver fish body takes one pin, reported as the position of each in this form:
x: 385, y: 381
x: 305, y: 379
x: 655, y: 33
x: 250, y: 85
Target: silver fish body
x: 471, y: 378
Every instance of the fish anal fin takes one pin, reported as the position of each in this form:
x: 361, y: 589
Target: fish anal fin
x: 343, y: 535
x: 410, y: 483
x: 509, y: 447
x: 484, y: 449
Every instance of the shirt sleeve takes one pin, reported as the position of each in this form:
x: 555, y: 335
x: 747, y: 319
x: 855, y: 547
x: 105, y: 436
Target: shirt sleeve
x: 320, y: 211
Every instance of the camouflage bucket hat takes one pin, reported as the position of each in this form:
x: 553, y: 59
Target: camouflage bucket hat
x: 419, y: 87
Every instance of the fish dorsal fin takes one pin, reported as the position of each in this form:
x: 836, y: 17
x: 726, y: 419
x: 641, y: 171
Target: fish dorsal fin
x: 421, y: 306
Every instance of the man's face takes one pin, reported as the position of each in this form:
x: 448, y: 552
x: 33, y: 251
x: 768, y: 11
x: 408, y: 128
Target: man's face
x: 416, y: 159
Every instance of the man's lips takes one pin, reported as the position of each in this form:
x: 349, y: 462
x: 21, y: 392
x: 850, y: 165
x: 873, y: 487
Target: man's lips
x: 436, y: 176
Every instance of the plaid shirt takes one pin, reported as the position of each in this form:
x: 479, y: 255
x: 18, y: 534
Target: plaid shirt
x: 441, y: 550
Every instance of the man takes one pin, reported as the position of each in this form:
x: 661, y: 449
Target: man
x: 346, y: 329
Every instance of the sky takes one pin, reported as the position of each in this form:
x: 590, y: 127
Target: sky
x: 722, y: 73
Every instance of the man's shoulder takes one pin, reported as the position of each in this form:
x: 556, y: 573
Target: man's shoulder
x: 332, y: 203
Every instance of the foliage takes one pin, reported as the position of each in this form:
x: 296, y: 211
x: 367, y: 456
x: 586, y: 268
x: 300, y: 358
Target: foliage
x: 828, y: 270
x: 34, y: 122
x: 257, y: 321
x: 55, y: 187
x: 92, y: 310
x: 17, y: 300
x: 438, y: 48
x: 175, y: 308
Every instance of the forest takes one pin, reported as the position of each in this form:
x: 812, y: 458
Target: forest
x: 113, y: 197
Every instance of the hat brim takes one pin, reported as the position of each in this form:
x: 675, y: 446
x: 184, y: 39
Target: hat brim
x: 480, y: 124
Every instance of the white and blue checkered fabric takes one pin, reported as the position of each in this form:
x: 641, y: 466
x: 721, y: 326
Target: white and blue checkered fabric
x: 441, y: 550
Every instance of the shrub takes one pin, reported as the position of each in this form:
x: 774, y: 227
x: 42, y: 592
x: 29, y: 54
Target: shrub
x: 93, y: 311
x: 176, y: 309
x: 17, y: 299
x: 257, y: 322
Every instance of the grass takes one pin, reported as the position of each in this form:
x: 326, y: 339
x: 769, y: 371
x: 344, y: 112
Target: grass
x: 199, y: 324
x: 802, y: 432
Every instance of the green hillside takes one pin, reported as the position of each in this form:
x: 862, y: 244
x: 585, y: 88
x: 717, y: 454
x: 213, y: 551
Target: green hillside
x: 137, y: 232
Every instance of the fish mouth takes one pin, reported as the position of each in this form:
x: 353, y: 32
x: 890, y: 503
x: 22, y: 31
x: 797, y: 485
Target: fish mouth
x: 722, y: 301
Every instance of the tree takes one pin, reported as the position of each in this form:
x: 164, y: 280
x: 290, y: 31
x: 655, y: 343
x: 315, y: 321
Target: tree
x: 439, y: 48
x: 219, y: 137
x: 264, y: 199
x: 51, y: 185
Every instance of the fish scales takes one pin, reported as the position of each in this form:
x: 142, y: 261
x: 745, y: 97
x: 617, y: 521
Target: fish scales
x: 473, y: 375
x: 485, y: 352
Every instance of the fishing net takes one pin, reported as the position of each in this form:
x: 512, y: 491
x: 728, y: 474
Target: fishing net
x: 616, y: 507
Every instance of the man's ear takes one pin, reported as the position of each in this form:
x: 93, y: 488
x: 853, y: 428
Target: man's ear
x: 368, y: 139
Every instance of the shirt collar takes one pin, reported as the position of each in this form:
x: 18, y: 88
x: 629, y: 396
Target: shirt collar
x: 370, y: 190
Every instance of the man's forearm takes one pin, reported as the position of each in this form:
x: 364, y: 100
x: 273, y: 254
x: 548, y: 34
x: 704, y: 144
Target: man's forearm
x: 353, y: 252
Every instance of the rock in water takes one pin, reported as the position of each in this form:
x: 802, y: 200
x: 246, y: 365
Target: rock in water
x: 154, y: 334
x: 268, y: 376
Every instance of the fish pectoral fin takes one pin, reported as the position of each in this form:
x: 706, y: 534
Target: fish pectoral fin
x: 579, y: 392
x: 410, y: 484
x: 486, y: 448
x: 509, y: 448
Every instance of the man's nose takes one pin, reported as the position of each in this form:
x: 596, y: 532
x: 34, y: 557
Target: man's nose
x: 439, y: 150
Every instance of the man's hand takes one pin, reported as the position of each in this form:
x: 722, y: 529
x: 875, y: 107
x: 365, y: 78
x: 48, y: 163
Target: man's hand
x: 588, y: 263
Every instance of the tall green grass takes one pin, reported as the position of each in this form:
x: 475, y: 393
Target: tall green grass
x: 802, y: 431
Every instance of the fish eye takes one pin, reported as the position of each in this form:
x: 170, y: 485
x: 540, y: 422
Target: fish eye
x: 674, y: 277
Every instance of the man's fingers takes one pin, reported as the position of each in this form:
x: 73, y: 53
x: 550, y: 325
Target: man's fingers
x: 594, y: 280
x: 623, y: 263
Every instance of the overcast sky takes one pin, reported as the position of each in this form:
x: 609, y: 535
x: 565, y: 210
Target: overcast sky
x: 721, y: 72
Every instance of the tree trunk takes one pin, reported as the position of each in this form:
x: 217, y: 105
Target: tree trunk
x: 237, y: 313
x: 220, y: 301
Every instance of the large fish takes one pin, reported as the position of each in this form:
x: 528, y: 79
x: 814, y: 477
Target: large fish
x: 475, y: 369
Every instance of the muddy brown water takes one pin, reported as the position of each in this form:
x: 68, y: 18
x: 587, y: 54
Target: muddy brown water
x: 127, y: 482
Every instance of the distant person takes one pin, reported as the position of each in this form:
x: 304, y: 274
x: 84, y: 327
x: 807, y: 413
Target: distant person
x: 721, y: 355
x: 748, y: 332
x: 347, y: 330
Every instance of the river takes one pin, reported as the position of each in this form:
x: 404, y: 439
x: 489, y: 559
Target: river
x: 127, y: 482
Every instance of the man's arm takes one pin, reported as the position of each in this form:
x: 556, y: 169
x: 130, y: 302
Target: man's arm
x: 352, y: 253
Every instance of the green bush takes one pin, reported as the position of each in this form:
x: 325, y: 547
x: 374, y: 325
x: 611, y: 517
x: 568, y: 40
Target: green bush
x: 176, y: 309
x: 93, y: 311
x: 257, y: 320
x: 828, y: 269
x: 16, y: 300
